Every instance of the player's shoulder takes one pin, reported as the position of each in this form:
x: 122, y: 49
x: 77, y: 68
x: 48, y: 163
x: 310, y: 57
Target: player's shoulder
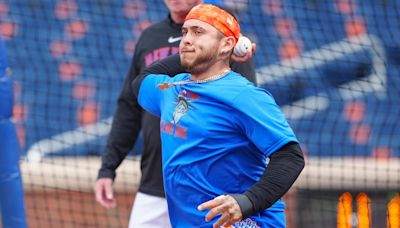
x: 230, y: 86
x: 239, y: 82
x: 244, y: 89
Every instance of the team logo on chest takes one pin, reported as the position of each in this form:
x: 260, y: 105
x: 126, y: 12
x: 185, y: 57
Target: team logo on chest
x: 183, y: 105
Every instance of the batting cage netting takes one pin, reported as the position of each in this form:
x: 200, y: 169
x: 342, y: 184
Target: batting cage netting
x: 332, y: 66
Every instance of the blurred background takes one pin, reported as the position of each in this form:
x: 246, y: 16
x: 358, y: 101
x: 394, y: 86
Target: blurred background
x: 333, y: 66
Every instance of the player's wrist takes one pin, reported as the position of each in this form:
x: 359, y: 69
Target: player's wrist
x: 106, y: 173
x: 246, y: 206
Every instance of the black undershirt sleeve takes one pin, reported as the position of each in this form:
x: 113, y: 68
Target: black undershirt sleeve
x: 169, y: 66
x: 125, y: 126
x: 283, y: 169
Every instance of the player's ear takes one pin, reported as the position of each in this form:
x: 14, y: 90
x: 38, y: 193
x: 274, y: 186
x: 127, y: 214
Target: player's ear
x: 227, y: 44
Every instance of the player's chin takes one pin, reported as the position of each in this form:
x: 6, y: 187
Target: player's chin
x: 187, y: 57
x: 186, y: 64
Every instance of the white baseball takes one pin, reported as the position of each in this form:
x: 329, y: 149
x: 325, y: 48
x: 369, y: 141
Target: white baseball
x: 242, y: 46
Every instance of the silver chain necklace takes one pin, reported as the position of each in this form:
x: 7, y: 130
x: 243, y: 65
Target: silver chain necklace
x: 167, y: 85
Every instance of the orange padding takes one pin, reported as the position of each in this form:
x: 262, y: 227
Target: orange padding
x: 217, y: 17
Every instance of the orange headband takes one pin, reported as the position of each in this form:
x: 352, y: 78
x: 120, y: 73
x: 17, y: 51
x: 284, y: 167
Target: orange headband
x: 217, y: 17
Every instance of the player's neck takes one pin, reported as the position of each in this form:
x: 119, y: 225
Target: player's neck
x: 213, y: 71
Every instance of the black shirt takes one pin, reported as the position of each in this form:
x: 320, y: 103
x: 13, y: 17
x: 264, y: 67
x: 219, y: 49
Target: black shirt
x: 155, y: 43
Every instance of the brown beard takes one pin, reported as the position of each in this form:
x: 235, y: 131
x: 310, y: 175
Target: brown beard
x: 200, y: 63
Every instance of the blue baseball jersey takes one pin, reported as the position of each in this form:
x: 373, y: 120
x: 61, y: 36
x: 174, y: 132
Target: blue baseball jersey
x: 215, y: 137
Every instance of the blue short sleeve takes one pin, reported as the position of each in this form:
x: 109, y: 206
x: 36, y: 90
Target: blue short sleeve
x: 150, y: 95
x: 261, y: 120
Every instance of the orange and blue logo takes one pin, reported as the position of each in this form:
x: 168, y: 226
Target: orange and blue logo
x: 183, y: 105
